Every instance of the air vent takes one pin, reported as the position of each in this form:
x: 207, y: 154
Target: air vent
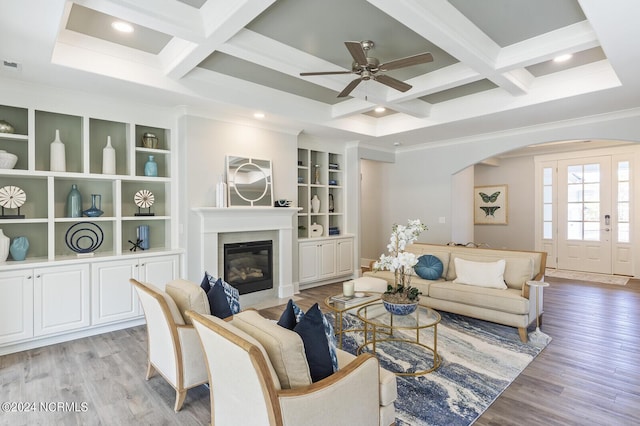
x: 12, y: 66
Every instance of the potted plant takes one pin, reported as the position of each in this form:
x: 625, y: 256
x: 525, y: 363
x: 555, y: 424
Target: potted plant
x: 400, y: 298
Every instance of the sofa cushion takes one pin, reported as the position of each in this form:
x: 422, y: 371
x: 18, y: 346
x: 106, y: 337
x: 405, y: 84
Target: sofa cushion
x: 429, y: 267
x: 483, y: 274
x: 509, y: 300
x: 518, y: 271
x: 441, y: 253
x: 188, y: 296
x: 284, y: 347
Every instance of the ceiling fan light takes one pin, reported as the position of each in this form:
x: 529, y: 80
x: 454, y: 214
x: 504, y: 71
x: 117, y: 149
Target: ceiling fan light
x: 123, y: 27
x: 563, y: 58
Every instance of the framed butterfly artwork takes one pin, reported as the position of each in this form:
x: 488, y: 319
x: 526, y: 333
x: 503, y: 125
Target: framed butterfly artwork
x: 490, y: 206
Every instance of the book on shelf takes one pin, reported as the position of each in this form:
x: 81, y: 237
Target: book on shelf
x: 342, y: 302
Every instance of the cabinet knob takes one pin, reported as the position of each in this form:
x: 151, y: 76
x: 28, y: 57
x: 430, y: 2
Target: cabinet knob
x: 29, y: 277
x: 38, y: 276
x: 144, y: 264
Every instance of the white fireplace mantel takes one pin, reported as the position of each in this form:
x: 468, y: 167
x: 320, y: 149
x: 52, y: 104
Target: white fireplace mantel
x: 210, y: 222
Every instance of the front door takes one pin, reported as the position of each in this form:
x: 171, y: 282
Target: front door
x: 584, y: 214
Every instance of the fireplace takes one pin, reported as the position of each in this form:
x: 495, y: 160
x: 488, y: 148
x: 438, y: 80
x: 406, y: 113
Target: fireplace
x: 248, y: 266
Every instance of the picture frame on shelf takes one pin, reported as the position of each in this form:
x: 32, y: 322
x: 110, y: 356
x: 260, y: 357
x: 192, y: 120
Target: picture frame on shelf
x: 490, y: 205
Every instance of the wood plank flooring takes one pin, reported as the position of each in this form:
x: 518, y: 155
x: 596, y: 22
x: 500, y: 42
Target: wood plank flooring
x: 589, y: 373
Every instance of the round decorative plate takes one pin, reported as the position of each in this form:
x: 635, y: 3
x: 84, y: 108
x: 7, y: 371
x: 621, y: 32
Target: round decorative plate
x: 12, y: 197
x: 144, y: 198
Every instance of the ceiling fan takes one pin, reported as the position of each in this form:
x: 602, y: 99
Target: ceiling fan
x: 367, y: 67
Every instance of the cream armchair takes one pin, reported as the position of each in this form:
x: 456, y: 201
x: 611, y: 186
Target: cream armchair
x: 174, y: 349
x: 247, y: 378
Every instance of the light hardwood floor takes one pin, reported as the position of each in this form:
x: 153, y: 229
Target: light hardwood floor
x: 589, y: 373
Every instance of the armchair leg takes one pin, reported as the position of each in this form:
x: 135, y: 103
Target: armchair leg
x: 523, y: 334
x: 151, y: 371
x: 180, y: 396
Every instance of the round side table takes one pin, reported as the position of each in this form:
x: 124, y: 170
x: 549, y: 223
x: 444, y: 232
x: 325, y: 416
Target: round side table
x: 538, y: 337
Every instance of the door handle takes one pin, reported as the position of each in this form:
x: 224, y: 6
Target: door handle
x: 605, y: 229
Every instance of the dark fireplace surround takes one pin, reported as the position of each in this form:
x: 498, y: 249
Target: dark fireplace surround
x: 248, y: 266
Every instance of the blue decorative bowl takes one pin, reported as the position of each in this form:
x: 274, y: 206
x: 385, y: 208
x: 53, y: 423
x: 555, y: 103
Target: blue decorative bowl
x: 400, y: 308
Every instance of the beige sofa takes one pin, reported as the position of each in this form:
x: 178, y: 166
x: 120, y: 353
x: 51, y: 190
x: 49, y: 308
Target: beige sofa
x: 513, y: 306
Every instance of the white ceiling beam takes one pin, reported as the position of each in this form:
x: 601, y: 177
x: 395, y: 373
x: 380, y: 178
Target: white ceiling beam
x: 442, y: 24
x: 574, y: 38
x: 221, y: 19
x: 166, y: 16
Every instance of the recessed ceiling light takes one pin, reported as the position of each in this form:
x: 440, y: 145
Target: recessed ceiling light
x: 562, y: 58
x: 258, y: 115
x: 123, y: 27
x: 397, y: 143
x: 380, y: 109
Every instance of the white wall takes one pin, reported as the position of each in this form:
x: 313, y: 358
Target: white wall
x: 204, y: 146
x: 518, y: 174
x: 372, y: 204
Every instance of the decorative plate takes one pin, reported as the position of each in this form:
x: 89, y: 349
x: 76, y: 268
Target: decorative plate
x: 12, y: 197
x: 144, y: 198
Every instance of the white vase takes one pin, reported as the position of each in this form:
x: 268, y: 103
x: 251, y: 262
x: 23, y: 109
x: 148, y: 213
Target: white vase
x: 315, y: 204
x: 4, y: 246
x: 58, y: 162
x: 108, y: 159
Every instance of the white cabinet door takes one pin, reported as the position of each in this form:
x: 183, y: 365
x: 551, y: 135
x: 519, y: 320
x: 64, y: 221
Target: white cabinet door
x: 307, y: 261
x: 327, y: 259
x: 113, y: 298
x: 61, y: 299
x: 16, y: 305
x: 344, y: 256
x: 159, y: 270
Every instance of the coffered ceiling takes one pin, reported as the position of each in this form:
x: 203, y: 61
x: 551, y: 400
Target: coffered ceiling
x: 492, y: 65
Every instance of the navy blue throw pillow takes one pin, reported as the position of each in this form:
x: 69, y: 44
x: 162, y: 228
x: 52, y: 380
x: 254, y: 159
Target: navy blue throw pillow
x: 205, y: 284
x: 288, y: 318
x: 429, y: 267
x: 218, y: 302
x: 316, y: 346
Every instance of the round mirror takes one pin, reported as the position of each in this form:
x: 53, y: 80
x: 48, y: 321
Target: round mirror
x: 249, y: 182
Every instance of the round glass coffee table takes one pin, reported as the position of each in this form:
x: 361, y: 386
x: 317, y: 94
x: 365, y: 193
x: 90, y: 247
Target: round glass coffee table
x: 398, y: 336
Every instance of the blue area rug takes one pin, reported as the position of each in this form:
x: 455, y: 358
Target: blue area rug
x: 479, y: 360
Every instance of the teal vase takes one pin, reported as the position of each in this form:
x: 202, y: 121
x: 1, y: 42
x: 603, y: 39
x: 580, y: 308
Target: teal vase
x: 151, y: 167
x: 19, y: 248
x: 74, y: 202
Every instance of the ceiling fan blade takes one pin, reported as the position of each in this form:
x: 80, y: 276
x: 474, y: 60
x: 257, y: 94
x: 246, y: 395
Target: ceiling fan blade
x: 357, y: 52
x: 349, y: 88
x: 421, y: 58
x: 392, y: 82
x: 325, y: 73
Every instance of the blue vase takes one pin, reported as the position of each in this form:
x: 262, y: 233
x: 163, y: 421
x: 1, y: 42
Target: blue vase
x: 19, y: 248
x: 151, y: 167
x: 96, y: 204
x: 143, y: 235
x: 74, y: 202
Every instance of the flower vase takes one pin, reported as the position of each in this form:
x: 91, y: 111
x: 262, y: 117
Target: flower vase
x: 19, y: 248
x: 58, y: 162
x: 315, y: 204
x: 108, y: 159
x: 151, y: 167
x: 74, y: 202
x: 96, y: 205
x: 4, y: 246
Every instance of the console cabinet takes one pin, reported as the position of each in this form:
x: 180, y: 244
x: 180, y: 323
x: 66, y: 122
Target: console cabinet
x: 325, y: 259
